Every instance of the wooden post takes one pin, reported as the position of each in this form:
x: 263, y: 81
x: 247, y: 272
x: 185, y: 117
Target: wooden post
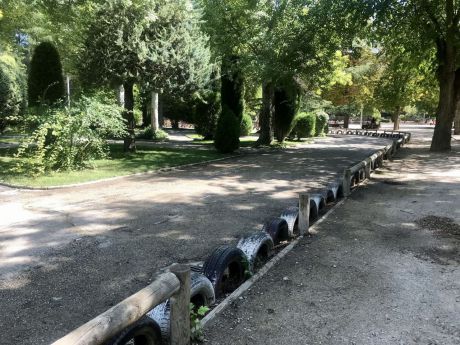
x: 304, y: 213
x: 180, y: 312
x: 367, y: 168
x: 124, y: 314
x: 347, y: 182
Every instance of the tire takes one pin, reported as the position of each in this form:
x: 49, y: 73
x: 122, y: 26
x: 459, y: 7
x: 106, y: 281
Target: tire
x: 313, y: 210
x: 201, y: 294
x: 257, y: 249
x: 291, y: 216
x: 143, y: 332
x: 278, y: 229
x: 225, y: 269
x: 319, y: 201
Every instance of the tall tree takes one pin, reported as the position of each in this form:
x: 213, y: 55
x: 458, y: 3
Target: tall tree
x: 156, y: 43
x: 424, y: 27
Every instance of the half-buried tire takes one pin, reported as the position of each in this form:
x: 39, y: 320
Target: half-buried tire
x: 225, y: 268
x: 143, y: 332
x: 291, y: 216
x: 201, y: 294
x: 257, y: 248
x: 278, y: 229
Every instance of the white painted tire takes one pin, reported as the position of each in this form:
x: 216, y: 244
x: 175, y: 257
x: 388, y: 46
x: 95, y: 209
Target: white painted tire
x: 291, y: 216
x: 257, y: 248
x: 200, y: 287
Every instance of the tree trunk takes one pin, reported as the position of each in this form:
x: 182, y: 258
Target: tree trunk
x: 161, y: 119
x: 457, y: 102
x: 395, y: 118
x: 266, y: 115
x: 120, y: 93
x: 346, y: 121
x: 154, y: 112
x: 446, y: 108
x: 129, y: 141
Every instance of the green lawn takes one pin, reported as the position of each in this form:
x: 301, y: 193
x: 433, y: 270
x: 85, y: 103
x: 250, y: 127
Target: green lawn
x: 145, y: 159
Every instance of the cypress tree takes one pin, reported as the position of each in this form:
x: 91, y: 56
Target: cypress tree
x: 286, y: 106
x: 45, y: 80
x: 227, y: 138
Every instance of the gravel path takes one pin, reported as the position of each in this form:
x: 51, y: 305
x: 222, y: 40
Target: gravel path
x: 67, y: 255
x: 383, y: 269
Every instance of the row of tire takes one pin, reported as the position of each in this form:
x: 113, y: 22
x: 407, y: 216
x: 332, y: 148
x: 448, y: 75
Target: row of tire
x: 229, y: 266
x: 392, y: 135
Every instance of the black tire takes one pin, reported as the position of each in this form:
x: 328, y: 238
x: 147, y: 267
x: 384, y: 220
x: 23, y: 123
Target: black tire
x: 313, y: 210
x: 257, y: 248
x: 278, y: 229
x: 143, y: 332
x: 291, y: 216
x: 201, y: 294
x: 225, y: 269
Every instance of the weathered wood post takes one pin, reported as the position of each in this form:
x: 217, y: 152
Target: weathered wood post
x: 124, y: 314
x: 180, y: 312
x: 367, y: 168
x: 347, y: 182
x: 304, y: 213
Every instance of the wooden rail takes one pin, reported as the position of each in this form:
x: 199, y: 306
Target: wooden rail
x: 174, y: 284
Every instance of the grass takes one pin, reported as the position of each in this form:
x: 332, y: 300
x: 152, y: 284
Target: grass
x: 120, y: 164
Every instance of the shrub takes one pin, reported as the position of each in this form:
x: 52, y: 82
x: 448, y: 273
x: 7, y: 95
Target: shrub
x: 227, y: 138
x: 45, y: 81
x: 206, y: 114
x: 148, y: 134
x: 12, y: 98
x: 70, y: 138
x: 304, y: 125
x: 322, y: 119
x: 246, y: 125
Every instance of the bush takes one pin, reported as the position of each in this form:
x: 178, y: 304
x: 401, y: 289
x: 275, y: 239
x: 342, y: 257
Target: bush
x: 12, y: 97
x: 246, y: 125
x: 304, y: 125
x: 322, y: 119
x: 227, y: 138
x: 206, y: 114
x: 148, y: 134
x: 45, y: 81
x: 70, y: 138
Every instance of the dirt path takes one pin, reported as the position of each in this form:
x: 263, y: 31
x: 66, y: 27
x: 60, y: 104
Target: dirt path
x: 384, y: 268
x: 67, y: 255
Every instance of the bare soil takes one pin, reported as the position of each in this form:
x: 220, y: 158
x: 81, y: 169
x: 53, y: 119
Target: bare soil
x: 383, y: 269
x: 68, y: 255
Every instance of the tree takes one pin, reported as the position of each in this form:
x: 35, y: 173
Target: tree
x: 353, y: 92
x: 401, y: 84
x: 45, y: 83
x: 279, y: 41
x: 12, y: 95
x: 156, y: 43
x: 426, y: 27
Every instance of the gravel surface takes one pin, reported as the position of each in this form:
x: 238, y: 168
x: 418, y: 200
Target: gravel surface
x: 383, y: 269
x: 68, y: 255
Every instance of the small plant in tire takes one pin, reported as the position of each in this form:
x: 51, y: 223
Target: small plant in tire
x: 196, y: 330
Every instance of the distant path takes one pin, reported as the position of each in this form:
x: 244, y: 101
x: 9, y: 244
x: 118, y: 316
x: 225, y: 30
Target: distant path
x: 67, y: 255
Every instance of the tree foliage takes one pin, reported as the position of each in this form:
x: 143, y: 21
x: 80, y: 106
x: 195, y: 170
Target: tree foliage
x: 45, y: 83
x: 12, y: 90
